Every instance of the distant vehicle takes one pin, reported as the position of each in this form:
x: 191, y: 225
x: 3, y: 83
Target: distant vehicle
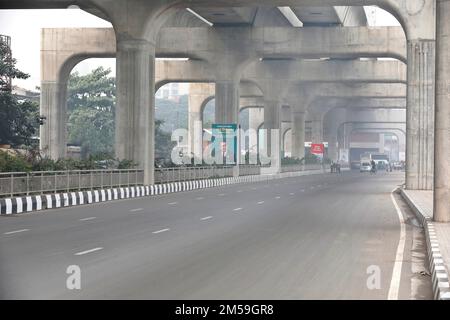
x: 365, y: 167
x: 381, y: 159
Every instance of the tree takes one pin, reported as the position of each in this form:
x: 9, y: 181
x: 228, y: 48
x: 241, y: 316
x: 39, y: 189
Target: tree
x: 91, y: 106
x: 91, y: 122
x: 163, y: 143
x: 19, y: 119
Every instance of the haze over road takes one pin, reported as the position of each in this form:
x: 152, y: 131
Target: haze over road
x: 309, y: 237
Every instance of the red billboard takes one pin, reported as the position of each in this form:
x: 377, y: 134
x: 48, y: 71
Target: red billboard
x: 317, y: 148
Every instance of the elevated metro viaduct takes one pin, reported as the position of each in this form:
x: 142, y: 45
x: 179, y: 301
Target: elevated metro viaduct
x: 427, y: 41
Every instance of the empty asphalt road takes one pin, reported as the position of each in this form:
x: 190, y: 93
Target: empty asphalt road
x: 312, y: 237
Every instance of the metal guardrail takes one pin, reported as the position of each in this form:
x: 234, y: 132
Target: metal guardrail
x: 179, y: 174
x: 40, y: 182
x: 303, y: 167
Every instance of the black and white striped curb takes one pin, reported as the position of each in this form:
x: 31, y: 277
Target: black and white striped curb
x: 439, y: 274
x: 68, y: 199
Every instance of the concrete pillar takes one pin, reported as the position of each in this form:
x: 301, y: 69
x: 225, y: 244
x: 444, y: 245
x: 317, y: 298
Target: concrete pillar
x: 199, y: 93
x: 442, y: 122
x: 298, y: 134
x: 286, y: 139
x: 332, y: 147
x: 381, y: 144
x: 227, y: 110
x: 227, y: 102
x: 53, y: 133
x: 420, y: 114
x: 316, y: 128
x: 135, y: 110
x: 195, y: 131
x: 272, y: 124
x: 256, y: 118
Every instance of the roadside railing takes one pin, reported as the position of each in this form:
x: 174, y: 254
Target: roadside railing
x: 179, y: 174
x: 40, y: 182
x: 303, y: 167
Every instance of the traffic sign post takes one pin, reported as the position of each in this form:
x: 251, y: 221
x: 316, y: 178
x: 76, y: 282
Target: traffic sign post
x: 225, y: 141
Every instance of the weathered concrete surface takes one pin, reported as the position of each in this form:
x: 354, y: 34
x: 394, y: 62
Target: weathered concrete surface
x: 298, y: 134
x: 442, y: 119
x: 420, y: 115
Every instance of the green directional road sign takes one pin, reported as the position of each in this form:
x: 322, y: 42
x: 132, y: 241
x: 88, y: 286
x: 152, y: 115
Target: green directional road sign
x: 225, y: 139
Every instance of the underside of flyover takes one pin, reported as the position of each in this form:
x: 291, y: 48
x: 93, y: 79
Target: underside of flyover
x: 296, y: 74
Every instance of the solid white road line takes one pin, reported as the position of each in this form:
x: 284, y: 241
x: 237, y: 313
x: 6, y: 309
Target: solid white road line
x: 88, y: 251
x: 17, y: 231
x: 136, y: 210
x: 87, y: 219
x: 397, y: 271
x: 160, y: 231
x: 237, y: 209
x: 206, y: 218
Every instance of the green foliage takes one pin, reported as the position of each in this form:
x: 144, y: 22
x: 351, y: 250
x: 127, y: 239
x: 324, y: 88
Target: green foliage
x: 93, y: 130
x: 19, y: 119
x: 91, y: 122
x: 9, y: 163
x: 163, y: 143
x: 32, y: 161
x: 291, y: 161
x: 311, y: 159
x: 8, y: 68
x: 91, y: 106
x: 96, y: 90
x: 126, y: 164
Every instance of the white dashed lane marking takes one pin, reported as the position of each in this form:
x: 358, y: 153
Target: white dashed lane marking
x: 161, y: 231
x: 261, y: 202
x: 237, y: 209
x: 206, y: 218
x: 278, y: 197
x: 88, y: 251
x: 17, y: 231
x: 88, y: 219
x: 200, y: 198
x: 172, y: 203
x: 136, y: 210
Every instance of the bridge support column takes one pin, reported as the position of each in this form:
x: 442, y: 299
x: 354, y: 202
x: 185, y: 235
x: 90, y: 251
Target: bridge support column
x: 199, y: 93
x: 256, y: 118
x: 332, y: 147
x: 54, y: 107
x: 298, y: 134
x: 420, y: 114
x: 272, y: 124
x: 316, y: 128
x: 135, y: 110
x: 442, y: 122
x: 227, y: 109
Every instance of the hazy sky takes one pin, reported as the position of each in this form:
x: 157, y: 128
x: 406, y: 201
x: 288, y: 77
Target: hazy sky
x: 24, y: 28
